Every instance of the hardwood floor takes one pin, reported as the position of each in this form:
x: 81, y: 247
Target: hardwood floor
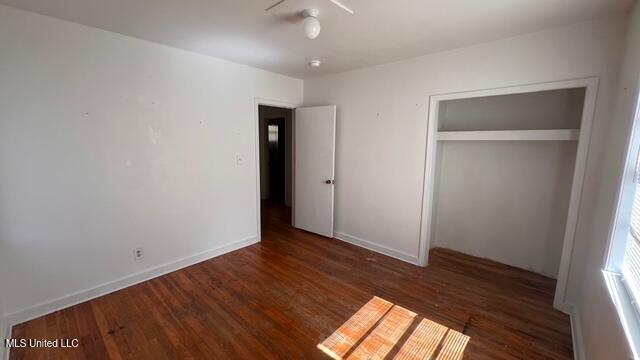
x: 282, y: 297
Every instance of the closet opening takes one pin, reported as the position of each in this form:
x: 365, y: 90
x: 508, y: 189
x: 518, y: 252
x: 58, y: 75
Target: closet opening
x: 504, y: 172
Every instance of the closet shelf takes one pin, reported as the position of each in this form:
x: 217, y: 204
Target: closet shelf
x: 510, y: 135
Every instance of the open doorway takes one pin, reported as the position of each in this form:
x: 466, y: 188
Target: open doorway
x: 276, y: 159
x: 296, y: 167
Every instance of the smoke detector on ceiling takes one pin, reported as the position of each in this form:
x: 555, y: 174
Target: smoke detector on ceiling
x: 315, y: 63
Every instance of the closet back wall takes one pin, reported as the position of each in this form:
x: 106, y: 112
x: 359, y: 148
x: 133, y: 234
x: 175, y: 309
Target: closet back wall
x: 109, y: 143
x: 506, y: 201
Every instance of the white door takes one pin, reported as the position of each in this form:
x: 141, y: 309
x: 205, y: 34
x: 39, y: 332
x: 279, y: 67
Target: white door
x: 315, y: 140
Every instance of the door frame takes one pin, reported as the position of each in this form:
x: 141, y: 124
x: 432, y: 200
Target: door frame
x: 588, y: 112
x: 281, y: 104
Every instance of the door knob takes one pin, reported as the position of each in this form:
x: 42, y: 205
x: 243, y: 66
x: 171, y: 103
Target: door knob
x: 329, y: 182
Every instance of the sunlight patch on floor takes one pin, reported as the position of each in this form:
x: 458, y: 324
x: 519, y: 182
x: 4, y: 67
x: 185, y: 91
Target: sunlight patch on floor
x: 379, y: 327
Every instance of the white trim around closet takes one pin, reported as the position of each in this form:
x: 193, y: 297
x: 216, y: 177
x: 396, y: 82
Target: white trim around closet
x: 583, y: 136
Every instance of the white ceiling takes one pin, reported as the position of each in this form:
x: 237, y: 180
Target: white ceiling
x: 380, y: 31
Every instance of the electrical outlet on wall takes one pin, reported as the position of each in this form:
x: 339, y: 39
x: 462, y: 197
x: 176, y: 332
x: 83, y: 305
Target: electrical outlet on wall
x: 138, y: 254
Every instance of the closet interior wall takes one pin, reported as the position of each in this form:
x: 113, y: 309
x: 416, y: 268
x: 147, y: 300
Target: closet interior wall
x: 506, y: 200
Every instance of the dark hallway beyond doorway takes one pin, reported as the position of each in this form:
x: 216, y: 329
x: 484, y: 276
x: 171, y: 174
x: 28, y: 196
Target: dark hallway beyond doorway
x: 276, y: 138
x: 276, y: 147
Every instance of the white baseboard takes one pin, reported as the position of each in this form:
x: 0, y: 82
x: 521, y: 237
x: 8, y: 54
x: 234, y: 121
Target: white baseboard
x: 48, y: 307
x: 576, y: 331
x: 412, y: 259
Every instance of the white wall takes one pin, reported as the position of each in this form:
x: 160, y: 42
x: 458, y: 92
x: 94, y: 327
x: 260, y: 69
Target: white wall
x: 556, y: 109
x: 603, y: 337
x: 108, y: 143
x: 505, y: 201
x: 382, y: 120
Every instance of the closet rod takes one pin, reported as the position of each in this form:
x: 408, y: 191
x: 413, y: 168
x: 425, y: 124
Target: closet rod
x: 510, y: 135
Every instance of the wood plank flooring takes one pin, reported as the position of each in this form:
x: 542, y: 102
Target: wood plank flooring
x: 284, y: 296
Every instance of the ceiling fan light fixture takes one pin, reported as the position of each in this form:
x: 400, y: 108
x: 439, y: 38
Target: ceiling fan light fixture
x: 311, y: 23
